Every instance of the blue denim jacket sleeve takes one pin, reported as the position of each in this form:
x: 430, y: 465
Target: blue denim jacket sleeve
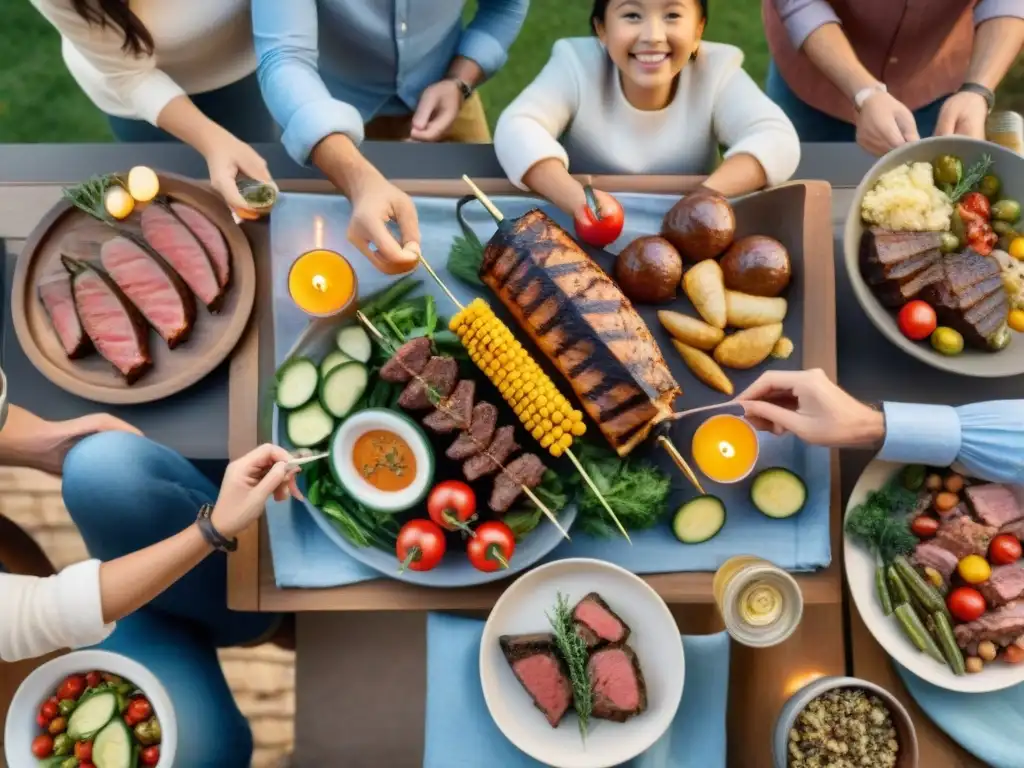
x: 985, y: 439
x: 491, y: 33
x: 285, y: 35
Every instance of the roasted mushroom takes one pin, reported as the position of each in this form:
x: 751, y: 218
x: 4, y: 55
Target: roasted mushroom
x: 757, y: 265
x: 649, y: 270
x: 700, y: 226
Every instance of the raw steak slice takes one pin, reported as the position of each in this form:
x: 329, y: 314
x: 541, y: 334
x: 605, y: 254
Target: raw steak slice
x: 59, y: 303
x: 153, y: 287
x: 619, y: 688
x: 597, y: 623
x: 183, y: 251
x: 539, y: 669
x: 114, y: 325
x: 211, y: 238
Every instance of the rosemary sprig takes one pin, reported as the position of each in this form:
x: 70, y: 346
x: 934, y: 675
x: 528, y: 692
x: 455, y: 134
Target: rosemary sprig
x: 574, y: 651
x: 88, y: 196
x: 971, y: 178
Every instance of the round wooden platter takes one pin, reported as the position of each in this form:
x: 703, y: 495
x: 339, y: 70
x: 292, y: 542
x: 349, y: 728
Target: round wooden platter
x: 213, y: 337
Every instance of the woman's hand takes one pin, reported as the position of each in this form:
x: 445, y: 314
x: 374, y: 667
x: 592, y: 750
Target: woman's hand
x: 436, y: 111
x: 226, y: 158
x: 248, y: 482
x: 809, y: 405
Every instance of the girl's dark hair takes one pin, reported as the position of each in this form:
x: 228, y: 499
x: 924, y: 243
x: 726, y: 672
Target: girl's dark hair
x: 601, y: 7
x: 116, y: 13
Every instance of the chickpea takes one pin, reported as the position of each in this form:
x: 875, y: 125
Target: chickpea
x: 973, y: 664
x: 933, y: 483
x: 945, y: 501
x: 954, y: 483
x: 934, y: 577
x: 987, y: 650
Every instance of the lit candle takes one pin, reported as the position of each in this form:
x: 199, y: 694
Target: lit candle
x: 725, y: 448
x: 321, y: 282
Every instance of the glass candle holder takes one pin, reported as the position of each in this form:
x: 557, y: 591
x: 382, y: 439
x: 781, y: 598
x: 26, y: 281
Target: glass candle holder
x: 322, y: 283
x: 725, y: 448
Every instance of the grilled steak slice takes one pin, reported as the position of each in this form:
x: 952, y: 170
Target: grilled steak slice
x: 1006, y: 583
x: 527, y: 470
x: 457, y: 412
x: 597, y: 623
x: 995, y: 301
x: 538, y: 667
x: 211, y: 238
x: 968, y: 268
x: 953, y: 303
x: 584, y: 324
x: 182, y: 250
x: 1002, y: 626
x: 887, y: 247
x: 117, y: 330
x: 1014, y: 529
x: 877, y: 273
x: 895, y: 295
x: 439, y: 374
x: 481, y: 430
x: 59, y: 304
x: 931, y: 555
x: 618, y: 683
x: 962, y: 537
x: 153, y: 287
x: 501, y: 447
x: 994, y: 504
x: 410, y: 359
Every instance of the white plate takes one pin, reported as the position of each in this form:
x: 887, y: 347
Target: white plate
x: 654, y: 637
x: 860, y: 575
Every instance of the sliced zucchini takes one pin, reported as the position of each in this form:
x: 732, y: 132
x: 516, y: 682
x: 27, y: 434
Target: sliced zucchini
x: 112, y: 747
x: 297, y: 381
x: 91, y: 715
x: 699, y: 519
x: 778, y: 493
x: 332, y: 361
x: 354, y: 342
x: 309, y: 425
x: 341, y: 388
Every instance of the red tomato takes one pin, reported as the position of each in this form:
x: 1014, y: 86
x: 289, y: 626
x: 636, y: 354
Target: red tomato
x: 83, y: 751
x: 41, y: 720
x: 452, y: 504
x: 72, y: 687
x: 917, y: 320
x: 1004, y: 549
x: 981, y: 237
x: 600, y: 221
x: 150, y: 756
x: 966, y: 603
x: 42, y: 745
x: 1013, y: 654
x: 50, y: 709
x: 86, y: 765
x: 92, y: 679
x: 976, y: 204
x: 420, y: 545
x: 924, y: 527
x: 138, y: 710
x: 492, y: 546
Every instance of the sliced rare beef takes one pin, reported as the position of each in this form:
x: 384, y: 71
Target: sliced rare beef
x: 538, y: 667
x: 618, y: 683
x: 409, y: 360
x: 962, y: 536
x: 439, y: 374
x: 497, y: 453
x: 527, y: 470
x: 994, y: 504
x: 478, y: 437
x: 959, y: 510
x: 456, y: 411
x: 1014, y: 529
x: 180, y: 248
x: 931, y: 555
x: 211, y: 238
x: 154, y: 288
x: 59, y: 303
x: 117, y: 330
x: 597, y: 623
x: 1002, y: 626
x: 1006, y: 583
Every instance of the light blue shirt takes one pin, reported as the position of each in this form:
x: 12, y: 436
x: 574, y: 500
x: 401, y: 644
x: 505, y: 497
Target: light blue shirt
x: 328, y: 66
x: 985, y: 439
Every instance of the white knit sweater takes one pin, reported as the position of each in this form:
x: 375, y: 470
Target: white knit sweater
x: 576, y: 111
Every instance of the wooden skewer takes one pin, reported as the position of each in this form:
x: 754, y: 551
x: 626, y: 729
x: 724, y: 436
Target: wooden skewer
x: 485, y: 201
x: 689, y: 412
x: 677, y: 457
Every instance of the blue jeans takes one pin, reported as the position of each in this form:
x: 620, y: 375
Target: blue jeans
x: 813, y: 125
x: 125, y: 493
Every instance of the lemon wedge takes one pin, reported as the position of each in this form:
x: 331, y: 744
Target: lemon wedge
x: 118, y: 202
x: 143, y: 183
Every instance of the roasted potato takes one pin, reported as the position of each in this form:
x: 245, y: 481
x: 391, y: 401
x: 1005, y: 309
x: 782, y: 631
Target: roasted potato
x: 705, y: 288
x: 783, y: 348
x: 745, y: 349
x: 744, y: 310
x: 703, y: 367
x: 690, y: 330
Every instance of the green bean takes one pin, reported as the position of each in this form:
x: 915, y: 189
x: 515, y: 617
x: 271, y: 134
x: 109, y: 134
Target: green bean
x: 313, y: 493
x: 390, y: 296
x: 346, y: 524
x: 897, y: 587
x: 927, y: 594
x: 915, y: 630
x: 950, y: 649
x: 883, y: 591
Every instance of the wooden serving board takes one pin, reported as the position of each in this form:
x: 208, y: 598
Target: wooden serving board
x: 213, y: 337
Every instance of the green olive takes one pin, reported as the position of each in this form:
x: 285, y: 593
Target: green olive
x: 1000, y: 339
x: 1003, y: 244
x: 948, y: 169
x: 956, y: 225
x: 947, y: 341
x: 1002, y: 227
x: 950, y: 242
x: 1006, y: 210
x: 989, y: 186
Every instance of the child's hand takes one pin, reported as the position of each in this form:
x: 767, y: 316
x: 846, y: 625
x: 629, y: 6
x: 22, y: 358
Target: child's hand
x: 439, y: 106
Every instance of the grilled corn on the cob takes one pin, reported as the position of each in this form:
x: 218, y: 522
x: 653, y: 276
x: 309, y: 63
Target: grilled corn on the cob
x: 545, y: 413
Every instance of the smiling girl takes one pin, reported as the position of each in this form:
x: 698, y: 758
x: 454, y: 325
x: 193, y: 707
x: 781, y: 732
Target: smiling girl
x: 645, y: 96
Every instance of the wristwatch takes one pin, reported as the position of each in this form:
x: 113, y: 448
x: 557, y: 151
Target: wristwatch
x: 464, y: 88
x: 981, y: 90
x: 213, y: 537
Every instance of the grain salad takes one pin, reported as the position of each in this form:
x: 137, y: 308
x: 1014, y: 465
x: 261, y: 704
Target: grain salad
x: 844, y: 728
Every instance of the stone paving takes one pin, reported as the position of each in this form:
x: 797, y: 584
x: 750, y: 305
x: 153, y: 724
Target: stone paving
x: 262, y: 678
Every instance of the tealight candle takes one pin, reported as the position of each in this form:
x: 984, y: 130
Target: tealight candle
x: 725, y: 448
x: 321, y: 282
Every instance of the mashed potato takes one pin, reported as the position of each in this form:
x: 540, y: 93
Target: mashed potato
x: 906, y: 199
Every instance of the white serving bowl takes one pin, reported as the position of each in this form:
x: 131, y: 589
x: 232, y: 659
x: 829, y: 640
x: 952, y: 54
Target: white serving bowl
x: 21, y: 728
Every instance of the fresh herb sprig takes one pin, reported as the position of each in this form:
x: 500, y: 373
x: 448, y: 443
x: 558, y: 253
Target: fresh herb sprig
x: 881, y: 522
x: 574, y: 652
x: 970, y: 179
x: 88, y: 196
x: 465, y: 257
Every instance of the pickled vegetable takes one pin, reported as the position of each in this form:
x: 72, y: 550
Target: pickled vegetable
x: 947, y: 341
x: 989, y: 186
x: 1006, y: 210
x: 1000, y: 339
x: 950, y: 242
x: 948, y: 169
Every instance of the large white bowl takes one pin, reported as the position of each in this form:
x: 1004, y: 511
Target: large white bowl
x: 654, y: 637
x: 21, y: 727
x: 860, y: 576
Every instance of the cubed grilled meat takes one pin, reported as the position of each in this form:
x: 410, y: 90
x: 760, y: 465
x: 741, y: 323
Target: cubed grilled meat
x: 540, y: 670
x: 618, y: 683
x: 409, y: 360
x: 59, y: 303
x: 994, y: 504
x: 481, y: 430
x: 439, y: 374
x: 597, y: 623
x: 526, y: 470
x: 502, y: 446
x: 456, y: 411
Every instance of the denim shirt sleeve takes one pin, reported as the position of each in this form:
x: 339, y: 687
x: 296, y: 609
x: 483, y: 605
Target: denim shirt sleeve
x: 996, y: 9
x: 491, y: 33
x: 285, y: 35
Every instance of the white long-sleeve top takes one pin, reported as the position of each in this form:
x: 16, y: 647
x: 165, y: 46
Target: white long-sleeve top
x: 575, y: 111
x: 41, y: 615
x: 199, y: 46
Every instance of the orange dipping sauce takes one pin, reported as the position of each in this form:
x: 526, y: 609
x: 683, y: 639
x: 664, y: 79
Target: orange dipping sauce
x: 725, y: 448
x: 321, y: 282
x: 384, y: 460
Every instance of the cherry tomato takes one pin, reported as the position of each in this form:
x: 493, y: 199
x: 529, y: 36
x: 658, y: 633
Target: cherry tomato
x: 41, y: 720
x: 600, y: 221
x: 1013, y: 654
x: 966, y: 603
x: 976, y: 204
x: 1004, y: 549
x: 42, y: 745
x: 92, y: 679
x: 981, y: 237
x: 420, y: 545
x: 150, y: 756
x: 452, y: 505
x: 86, y: 765
x: 917, y: 320
x: 83, y: 751
x: 492, y: 546
x: 924, y: 527
x: 138, y: 710
x: 50, y: 709
x: 72, y: 687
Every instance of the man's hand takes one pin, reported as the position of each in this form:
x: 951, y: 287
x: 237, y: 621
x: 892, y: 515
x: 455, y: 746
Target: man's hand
x: 963, y: 114
x: 375, y: 202
x: 884, y: 123
x: 438, y: 107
